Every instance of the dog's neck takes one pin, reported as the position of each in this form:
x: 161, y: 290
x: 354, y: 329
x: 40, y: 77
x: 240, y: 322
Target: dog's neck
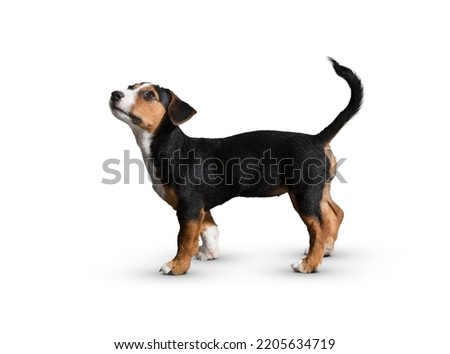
x: 167, y: 139
x: 144, y: 140
x: 166, y: 133
x: 156, y: 146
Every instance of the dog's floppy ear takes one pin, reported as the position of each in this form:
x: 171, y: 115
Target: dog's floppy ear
x: 178, y: 110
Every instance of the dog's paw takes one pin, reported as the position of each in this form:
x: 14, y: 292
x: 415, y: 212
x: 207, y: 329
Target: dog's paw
x: 302, y: 267
x: 206, y: 254
x: 210, y: 244
x: 176, y: 267
x: 166, y: 269
x: 298, y: 267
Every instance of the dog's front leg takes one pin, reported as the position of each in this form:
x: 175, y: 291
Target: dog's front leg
x: 187, y: 246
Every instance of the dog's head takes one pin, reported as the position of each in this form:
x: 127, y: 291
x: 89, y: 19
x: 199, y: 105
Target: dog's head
x: 146, y: 105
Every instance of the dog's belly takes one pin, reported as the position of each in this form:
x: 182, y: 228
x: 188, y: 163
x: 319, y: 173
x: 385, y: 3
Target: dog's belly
x: 263, y: 192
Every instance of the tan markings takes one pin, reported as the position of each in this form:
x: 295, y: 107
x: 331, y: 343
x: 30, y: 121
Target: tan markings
x: 316, y: 244
x: 170, y: 196
x: 332, y: 216
x: 331, y: 161
x: 187, y: 245
x: 322, y: 233
x: 150, y: 112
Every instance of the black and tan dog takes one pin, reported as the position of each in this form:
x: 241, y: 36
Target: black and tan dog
x: 194, y: 175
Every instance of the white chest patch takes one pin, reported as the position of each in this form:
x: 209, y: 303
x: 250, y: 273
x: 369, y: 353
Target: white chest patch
x: 144, y: 140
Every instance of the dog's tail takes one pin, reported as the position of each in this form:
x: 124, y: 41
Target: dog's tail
x: 353, y: 106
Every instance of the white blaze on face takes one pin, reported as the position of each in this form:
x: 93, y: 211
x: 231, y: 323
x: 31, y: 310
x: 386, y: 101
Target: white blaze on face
x: 125, y: 104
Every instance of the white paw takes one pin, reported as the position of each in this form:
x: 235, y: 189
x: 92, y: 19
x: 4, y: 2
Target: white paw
x: 205, y: 254
x: 210, y: 244
x: 165, y: 269
x: 298, y: 267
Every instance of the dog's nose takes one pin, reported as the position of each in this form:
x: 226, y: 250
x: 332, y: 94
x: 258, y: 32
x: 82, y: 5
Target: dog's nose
x: 116, y: 96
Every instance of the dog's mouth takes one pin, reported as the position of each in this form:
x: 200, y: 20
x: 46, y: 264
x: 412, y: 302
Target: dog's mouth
x: 135, y: 120
x: 115, y: 108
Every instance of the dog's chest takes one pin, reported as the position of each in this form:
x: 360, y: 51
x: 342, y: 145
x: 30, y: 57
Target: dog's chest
x: 144, y: 140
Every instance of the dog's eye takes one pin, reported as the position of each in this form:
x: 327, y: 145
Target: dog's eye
x: 148, y: 95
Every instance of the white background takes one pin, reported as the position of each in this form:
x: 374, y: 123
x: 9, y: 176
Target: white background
x: 79, y: 259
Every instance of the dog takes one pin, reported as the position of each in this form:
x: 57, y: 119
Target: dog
x: 194, y: 175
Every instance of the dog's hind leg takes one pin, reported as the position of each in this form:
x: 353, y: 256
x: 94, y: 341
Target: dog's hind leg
x: 322, y: 218
x: 332, y: 216
x: 311, y: 217
x: 332, y: 213
x: 210, y: 239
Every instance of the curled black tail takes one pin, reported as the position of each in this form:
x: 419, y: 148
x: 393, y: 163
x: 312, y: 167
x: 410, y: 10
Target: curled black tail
x: 353, y: 106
